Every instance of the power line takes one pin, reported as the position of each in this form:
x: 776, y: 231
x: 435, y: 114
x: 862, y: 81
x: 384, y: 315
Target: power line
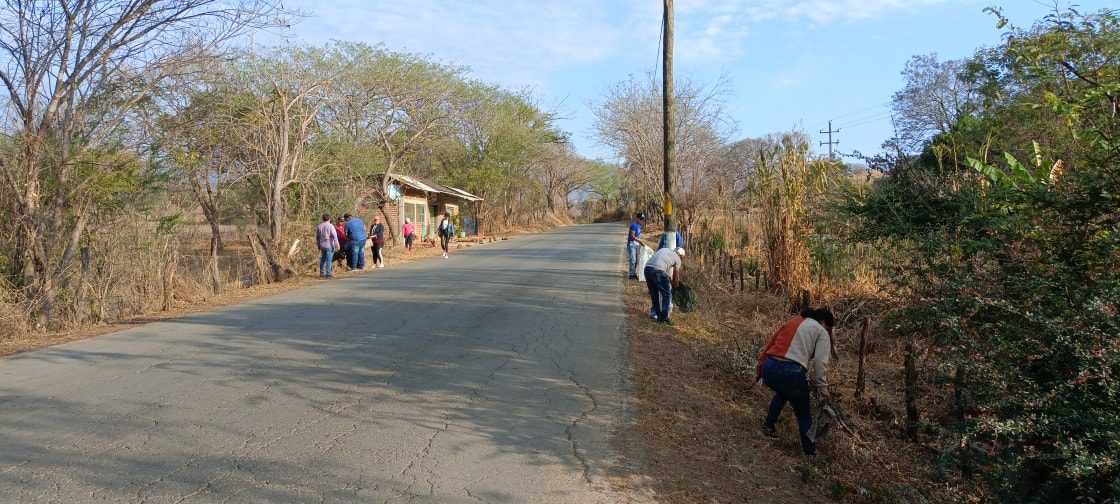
x: 867, y: 120
x: 855, y: 112
x: 865, y: 123
x: 877, y: 115
x: 862, y: 110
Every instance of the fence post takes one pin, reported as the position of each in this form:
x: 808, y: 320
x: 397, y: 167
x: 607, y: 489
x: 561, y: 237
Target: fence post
x: 910, y: 379
x: 862, y: 351
x: 741, y: 275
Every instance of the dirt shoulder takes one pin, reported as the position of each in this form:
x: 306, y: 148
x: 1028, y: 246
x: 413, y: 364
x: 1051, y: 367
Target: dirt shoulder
x: 700, y: 415
x: 393, y: 256
x: 699, y: 423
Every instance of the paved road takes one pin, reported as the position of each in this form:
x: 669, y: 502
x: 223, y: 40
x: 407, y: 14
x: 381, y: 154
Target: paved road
x: 498, y: 375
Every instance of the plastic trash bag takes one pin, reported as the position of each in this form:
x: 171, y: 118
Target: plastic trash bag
x: 684, y: 298
x: 643, y: 258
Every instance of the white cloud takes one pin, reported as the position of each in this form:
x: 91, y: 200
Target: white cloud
x: 823, y: 11
x: 512, y: 42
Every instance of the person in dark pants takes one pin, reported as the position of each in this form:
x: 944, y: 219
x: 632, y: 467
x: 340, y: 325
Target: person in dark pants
x: 784, y: 366
x: 663, y: 272
x: 408, y: 230
x: 445, y: 232
x: 343, y: 249
x: 377, y: 236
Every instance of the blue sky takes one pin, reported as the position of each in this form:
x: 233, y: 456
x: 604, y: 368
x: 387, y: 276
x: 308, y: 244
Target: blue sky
x: 792, y: 64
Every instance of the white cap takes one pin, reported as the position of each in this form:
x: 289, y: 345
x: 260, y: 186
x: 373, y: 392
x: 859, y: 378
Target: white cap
x: 680, y: 251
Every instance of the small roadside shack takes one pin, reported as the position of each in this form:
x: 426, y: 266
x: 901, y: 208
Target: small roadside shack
x: 424, y: 202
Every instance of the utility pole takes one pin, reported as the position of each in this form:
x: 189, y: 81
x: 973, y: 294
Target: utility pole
x: 830, y: 143
x: 667, y: 123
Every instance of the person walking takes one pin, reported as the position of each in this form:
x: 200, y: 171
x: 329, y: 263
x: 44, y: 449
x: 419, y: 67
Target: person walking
x: 377, y: 236
x: 408, y: 230
x: 634, y: 243
x: 327, y: 239
x: 356, y: 238
x: 342, y: 245
x: 663, y: 272
x: 783, y: 366
x: 445, y: 230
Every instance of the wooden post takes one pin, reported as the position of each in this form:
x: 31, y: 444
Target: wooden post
x: 740, y: 275
x: 806, y: 300
x: 968, y: 471
x: 910, y: 382
x: 757, y: 277
x: 860, y: 376
x: 667, y: 116
x: 169, y: 281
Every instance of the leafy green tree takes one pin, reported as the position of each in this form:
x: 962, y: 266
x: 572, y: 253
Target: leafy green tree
x: 1011, y: 266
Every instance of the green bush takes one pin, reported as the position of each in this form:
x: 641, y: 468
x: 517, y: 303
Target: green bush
x: 1012, y: 268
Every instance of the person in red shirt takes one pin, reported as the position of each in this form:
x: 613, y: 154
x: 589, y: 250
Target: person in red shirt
x: 342, y: 252
x: 784, y: 364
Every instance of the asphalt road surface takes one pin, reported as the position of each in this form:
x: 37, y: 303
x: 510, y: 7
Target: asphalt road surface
x: 498, y: 375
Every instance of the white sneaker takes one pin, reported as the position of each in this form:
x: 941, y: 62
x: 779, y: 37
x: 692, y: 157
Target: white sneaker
x: 445, y: 256
x: 380, y: 265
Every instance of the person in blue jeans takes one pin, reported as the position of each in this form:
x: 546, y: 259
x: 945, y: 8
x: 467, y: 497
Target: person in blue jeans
x: 356, y: 240
x: 663, y: 272
x: 804, y: 341
x: 634, y: 243
x: 327, y: 238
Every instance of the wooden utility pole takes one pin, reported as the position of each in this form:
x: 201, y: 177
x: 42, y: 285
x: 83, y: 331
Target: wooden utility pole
x: 667, y: 123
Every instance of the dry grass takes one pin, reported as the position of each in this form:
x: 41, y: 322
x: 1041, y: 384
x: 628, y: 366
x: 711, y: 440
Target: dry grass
x: 701, y: 413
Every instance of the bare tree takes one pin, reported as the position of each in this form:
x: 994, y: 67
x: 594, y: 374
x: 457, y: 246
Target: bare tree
x: 560, y: 172
x: 194, y: 138
x: 933, y: 99
x: 74, y: 71
x: 629, y: 121
x: 287, y: 89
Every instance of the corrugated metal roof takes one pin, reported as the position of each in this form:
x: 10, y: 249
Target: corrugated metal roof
x: 428, y: 186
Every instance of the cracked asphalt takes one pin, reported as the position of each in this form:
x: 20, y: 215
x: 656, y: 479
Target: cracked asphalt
x: 498, y: 375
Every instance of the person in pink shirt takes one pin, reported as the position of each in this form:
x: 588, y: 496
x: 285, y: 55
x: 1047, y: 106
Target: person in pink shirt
x: 327, y: 239
x: 408, y: 230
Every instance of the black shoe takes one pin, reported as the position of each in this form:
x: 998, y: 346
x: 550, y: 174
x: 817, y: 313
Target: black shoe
x: 666, y: 322
x: 768, y: 432
x: 633, y: 277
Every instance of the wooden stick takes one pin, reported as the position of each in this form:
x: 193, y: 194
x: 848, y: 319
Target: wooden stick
x: 860, y: 375
x: 910, y: 392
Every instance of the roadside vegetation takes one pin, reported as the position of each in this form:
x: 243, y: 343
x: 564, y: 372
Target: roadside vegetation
x: 151, y: 158
x: 979, y: 249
